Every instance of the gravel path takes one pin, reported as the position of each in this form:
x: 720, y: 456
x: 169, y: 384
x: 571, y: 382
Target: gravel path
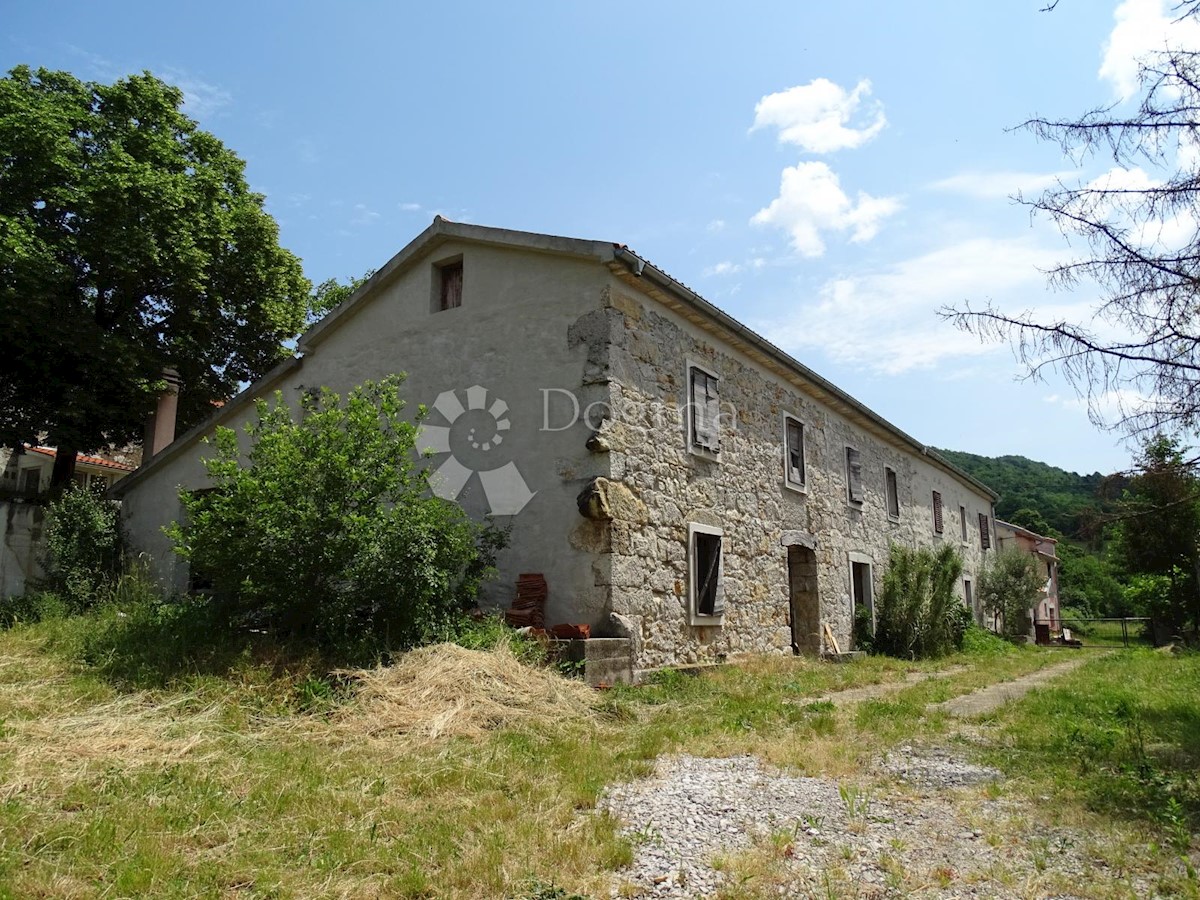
x: 920, y: 820
x: 996, y: 695
x: 906, y: 831
x: 872, y: 691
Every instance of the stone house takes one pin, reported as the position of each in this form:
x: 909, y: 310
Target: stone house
x: 1044, y: 550
x: 681, y: 483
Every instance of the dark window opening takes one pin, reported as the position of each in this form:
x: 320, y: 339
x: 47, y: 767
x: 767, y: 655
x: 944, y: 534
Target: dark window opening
x: 450, y: 295
x: 893, y: 493
x: 709, y: 601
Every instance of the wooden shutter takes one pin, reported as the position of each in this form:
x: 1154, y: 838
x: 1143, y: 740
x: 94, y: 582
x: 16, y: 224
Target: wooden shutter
x: 795, y: 452
x: 854, y: 475
x: 706, y: 411
x: 937, y: 512
x: 985, y: 534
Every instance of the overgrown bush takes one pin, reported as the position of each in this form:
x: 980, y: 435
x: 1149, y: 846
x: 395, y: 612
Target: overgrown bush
x: 83, y: 549
x: 919, y: 614
x: 1009, y: 587
x: 328, y: 534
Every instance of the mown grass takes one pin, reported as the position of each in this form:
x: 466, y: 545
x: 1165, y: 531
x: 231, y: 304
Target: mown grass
x: 132, y: 774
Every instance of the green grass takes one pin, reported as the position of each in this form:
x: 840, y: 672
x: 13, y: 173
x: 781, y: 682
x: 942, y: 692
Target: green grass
x: 1122, y: 733
x: 124, y: 775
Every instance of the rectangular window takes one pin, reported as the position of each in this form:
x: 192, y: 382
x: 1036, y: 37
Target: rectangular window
x: 704, y: 411
x: 793, y: 440
x: 854, y: 491
x: 706, y: 571
x: 937, y: 513
x: 968, y: 596
x: 31, y: 480
x: 451, y: 285
x: 962, y: 515
x: 893, y: 493
x: 985, y: 534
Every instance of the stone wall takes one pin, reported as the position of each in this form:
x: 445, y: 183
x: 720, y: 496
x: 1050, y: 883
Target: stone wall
x: 744, y: 493
x: 21, y: 543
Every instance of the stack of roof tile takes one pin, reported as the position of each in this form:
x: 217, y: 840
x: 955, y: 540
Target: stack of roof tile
x: 529, y: 607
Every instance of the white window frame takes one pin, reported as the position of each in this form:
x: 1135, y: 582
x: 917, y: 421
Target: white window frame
x: 694, y: 448
x: 694, y: 615
x: 855, y: 504
x: 862, y: 559
x: 887, y: 498
x: 788, y: 482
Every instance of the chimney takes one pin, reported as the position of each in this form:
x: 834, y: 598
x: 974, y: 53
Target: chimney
x: 160, y: 425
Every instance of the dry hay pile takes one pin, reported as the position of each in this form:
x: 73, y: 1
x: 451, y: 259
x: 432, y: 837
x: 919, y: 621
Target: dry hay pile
x: 445, y: 690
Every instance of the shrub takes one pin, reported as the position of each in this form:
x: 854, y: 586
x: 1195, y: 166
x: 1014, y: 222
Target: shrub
x: 918, y: 613
x: 1009, y: 586
x: 83, y: 547
x: 329, y: 535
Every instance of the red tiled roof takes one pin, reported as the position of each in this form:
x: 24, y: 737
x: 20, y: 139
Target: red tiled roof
x: 87, y: 460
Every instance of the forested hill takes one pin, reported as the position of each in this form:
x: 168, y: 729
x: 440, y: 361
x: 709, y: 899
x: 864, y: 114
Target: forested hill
x: 1067, y: 501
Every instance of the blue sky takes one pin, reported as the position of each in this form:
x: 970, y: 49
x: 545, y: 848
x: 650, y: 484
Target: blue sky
x: 829, y: 173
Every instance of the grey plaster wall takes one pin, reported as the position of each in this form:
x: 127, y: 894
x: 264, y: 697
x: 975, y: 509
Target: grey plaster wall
x: 510, y: 337
x: 744, y: 493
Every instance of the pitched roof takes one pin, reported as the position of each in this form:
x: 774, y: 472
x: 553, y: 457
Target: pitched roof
x: 625, y: 264
x: 98, y: 461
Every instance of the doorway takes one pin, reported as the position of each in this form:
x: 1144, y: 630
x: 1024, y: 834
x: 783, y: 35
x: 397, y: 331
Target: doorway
x: 805, y: 607
x: 862, y: 598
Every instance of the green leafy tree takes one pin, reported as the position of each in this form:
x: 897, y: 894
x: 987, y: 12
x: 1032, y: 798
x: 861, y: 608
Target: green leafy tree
x: 326, y: 531
x: 331, y: 292
x: 1159, y: 527
x: 1087, y: 583
x: 84, y: 546
x: 129, y: 243
x: 918, y: 614
x: 1009, y: 587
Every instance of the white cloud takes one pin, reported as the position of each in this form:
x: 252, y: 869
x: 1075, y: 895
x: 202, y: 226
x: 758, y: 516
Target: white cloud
x: 200, y: 98
x: 1143, y: 27
x: 716, y: 225
x: 722, y: 268
x: 886, y: 320
x: 411, y: 207
x: 811, y: 200
x: 817, y: 116
x: 1110, y: 406
x: 363, y: 215
x: 998, y: 185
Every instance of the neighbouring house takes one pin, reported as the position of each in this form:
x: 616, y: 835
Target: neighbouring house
x: 27, y: 474
x: 24, y: 480
x: 684, y: 486
x: 1044, y: 550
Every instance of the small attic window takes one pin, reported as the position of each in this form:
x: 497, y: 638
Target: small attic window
x: 449, y: 285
